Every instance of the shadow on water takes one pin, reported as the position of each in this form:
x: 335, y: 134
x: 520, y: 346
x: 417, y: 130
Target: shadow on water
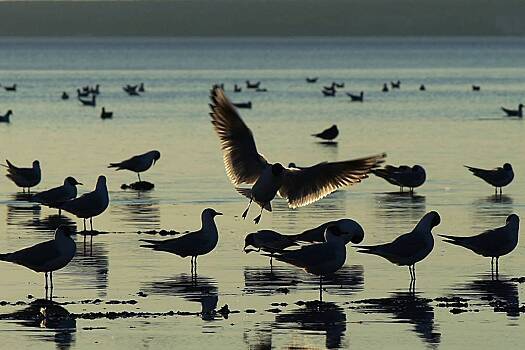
x: 139, y: 210
x: 408, y: 308
x: 492, y: 211
x: 281, y: 279
x: 500, y: 294
x: 327, y: 318
x: 199, y: 289
x: 50, y: 321
x: 258, y: 336
x: 400, y: 207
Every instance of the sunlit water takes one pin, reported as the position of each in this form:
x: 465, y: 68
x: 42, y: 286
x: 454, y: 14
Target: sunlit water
x: 367, y: 304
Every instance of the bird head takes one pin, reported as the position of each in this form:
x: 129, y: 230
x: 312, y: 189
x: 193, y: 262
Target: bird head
x: 63, y: 231
x: 507, y: 166
x: 249, y: 241
x: 429, y: 221
x: 101, y: 181
x: 513, y: 219
x: 209, y: 212
x: 70, y: 180
x: 156, y: 156
x: 350, y: 230
x: 277, y: 169
x: 36, y: 164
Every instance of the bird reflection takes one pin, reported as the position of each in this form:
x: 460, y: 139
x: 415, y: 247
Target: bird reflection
x: 197, y: 289
x: 501, y: 294
x: 258, y: 336
x: 89, y: 269
x: 491, y: 211
x: 23, y: 215
x: 51, y: 223
x: 408, y: 308
x: 48, y: 315
x: 317, y: 317
x: 282, y: 279
x: 400, y: 207
x: 140, y: 210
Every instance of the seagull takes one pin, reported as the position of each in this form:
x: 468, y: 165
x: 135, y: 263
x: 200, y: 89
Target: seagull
x: 328, y: 134
x: 24, y: 177
x: 10, y: 88
x: 5, y: 118
x: 498, y: 177
x: 356, y: 98
x: 395, y: 85
x: 329, y: 93
x: 271, y: 242
x: 139, y: 163
x: 385, y: 88
x: 410, y: 248
x: 299, y: 186
x: 106, y: 114
x: 514, y: 112
x: 65, y: 95
x: 192, y: 244
x: 320, y: 259
x: 90, y: 204
x: 141, y: 87
x: 403, y: 176
x: 312, y: 80
x: 491, y: 243
x: 476, y: 88
x: 56, y: 196
x: 422, y: 88
x: 47, y: 256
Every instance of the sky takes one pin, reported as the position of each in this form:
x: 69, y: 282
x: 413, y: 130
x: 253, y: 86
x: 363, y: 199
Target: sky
x: 263, y: 18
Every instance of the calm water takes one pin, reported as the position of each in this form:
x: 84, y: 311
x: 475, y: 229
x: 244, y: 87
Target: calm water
x: 367, y: 301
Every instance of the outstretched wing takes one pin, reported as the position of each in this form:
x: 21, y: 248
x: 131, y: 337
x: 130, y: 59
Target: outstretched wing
x: 242, y: 161
x: 307, y: 185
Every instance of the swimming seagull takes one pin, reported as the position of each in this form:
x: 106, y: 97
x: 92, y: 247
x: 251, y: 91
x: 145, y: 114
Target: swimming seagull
x: 328, y: 134
x: 90, y: 204
x: 320, y: 259
x: 403, y: 175
x: 192, y: 244
x: 5, y: 118
x: 514, y: 112
x: 47, y: 256
x: 410, y: 248
x: 356, y: 98
x: 498, y: 177
x: 58, y: 195
x: 300, y: 187
x: 139, y: 163
x: 24, y: 177
x: 491, y: 243
x: 106, y: 114
x: 271, y: 242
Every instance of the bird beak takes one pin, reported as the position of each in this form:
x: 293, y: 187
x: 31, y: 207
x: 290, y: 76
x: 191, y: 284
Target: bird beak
x: 217, y: 213
x: 79, y: 183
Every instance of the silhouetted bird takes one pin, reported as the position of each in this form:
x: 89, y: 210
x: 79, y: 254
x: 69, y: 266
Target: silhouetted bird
x: 24, y: 177
x: 89, y: 103
x: 329, y: 93
x: 10, y: 88
x: 131, y: 90
x: 105, y: 114
x: 356, y: 98
x: 299, y: 186
x: 249, y: 85
x: 385, y: 87
x: 6, y: 117
x: 338, y: 85
x: 491, y: 243
x: 83, y: 94
x: 246, y: 105
x: 410, y: 248
x: 328, y: 134
x: 514, y: 112
x: 95, y: 90
x: 141, y: 87
x: 422, y: 88
x: 237, y: 88
x: 139, y: 163
x: 498, y: 177
x: 330, y: 87
x: 65, y: 96
x: 395, y: 85
x: 312, y: 80
x: 476, y: 87
x: 58, y: 195
x: 403, y: 176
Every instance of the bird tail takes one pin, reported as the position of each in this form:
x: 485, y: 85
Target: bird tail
x: 454, y: 239
x: 114, y: 165
x: 4, y: 256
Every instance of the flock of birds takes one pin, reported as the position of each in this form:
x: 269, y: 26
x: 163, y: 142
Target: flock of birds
x: 320, y: 251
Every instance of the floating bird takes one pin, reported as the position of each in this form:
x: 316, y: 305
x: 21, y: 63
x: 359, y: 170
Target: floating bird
x: 139, y: 163
x: 47, y: 256
x: 385, y: 87
x: 498, y: 177
x: 312, y: 80
x: 106, y: 115
x: 90, y: 204
x: 250, y: 85
x: 410, y: 248
x: 403, y: 176
x: 514, y: 112
x: 237, y: 88
x: 95, y: 90
x: 10, y: 88
x: 261, y: 90
x: 141, y: 87
x: 330, y: 87
x: 6, y: 117
x: 192, y: 244
x: 422, y: 88
x: 84, y: 93
x: 395, y: 85
x: 328, y: 134
x: 329, y: 93
x: 246, y: 105
x: 299, y: 186
x: 476, y: 87
x: 356, y: 98
x: 131, y: 90
x: 338, y: 85
x: 90, y: 103
x: 491, y: 243
x: 58, y: 195
x: 320, y: 259
x: 24, y: 177
x: 65, y: 95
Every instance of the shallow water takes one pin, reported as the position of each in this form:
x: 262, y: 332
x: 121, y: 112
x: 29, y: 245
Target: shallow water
x: 367, y: 303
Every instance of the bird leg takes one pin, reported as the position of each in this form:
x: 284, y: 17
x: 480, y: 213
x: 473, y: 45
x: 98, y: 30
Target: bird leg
x: 59, y: 212
x: 139, y: 177
x: 414, y: 269
x: 321, y: 288
x: 195, y: 269
x: 258, y: 217
x: 245, y: 213
x: 401, y: 189
x: 91, y: 223
x: 45, y: 274
x: 84, y: 228
x: 51, y: 280
x: 497, y: 267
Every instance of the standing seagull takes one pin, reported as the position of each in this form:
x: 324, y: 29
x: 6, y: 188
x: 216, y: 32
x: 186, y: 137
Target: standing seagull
x: 24, y: 177
x: 299, y: 186
x: 410, y: 248
x: 403, y: 176
x: 90, y: 204
x: 6, y: 117
x: 58, y: 195
x: 498, y: 177
x: 139, y: 163
x: 192, y: 244
x: 320, y: 259
x: 328, y: 134
x: 491, y: 243
x: 47, y: 256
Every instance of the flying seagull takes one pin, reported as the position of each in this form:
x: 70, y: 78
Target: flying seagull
x: 300, y: 187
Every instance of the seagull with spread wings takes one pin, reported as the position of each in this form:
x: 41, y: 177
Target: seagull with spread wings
x: 244, y: 164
